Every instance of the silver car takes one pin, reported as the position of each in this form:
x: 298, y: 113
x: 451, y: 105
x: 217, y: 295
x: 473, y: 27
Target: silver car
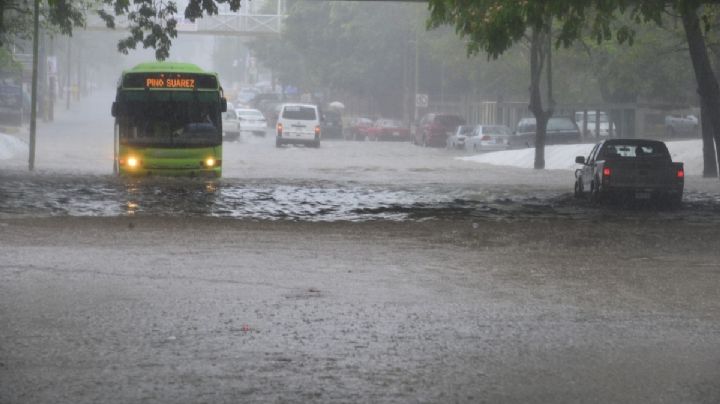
x: 457, y: 140
x: 230, y: 125
x: 251, y: 121
x: 489, y: 138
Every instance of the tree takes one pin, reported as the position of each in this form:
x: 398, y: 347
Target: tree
x: 707, y: 89
x: 152, y: 23
x: 493, y: 26
x: 16, y: 17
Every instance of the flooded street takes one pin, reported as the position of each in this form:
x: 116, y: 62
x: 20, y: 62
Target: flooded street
x: 340, y: 181
x: 357, y: 272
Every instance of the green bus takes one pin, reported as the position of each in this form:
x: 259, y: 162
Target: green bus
x: 168, y: 121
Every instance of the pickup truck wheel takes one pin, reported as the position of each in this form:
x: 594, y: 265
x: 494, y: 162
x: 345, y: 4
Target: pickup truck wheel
x: 578, y: 189
x: 595, y: 195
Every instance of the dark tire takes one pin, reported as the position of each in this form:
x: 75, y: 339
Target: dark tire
x: 595, y: 193
x: 579, y: 191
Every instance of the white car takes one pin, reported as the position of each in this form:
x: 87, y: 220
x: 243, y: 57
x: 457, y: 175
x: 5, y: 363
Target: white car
x: 298, y: 124
x: 489, y: 138
x: 230, y: 125
x: 457, y: 140
x: 251, y: 121
x: 677, y: 124
x: 592, y: 129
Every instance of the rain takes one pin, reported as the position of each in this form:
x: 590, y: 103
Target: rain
x: 350, y: 201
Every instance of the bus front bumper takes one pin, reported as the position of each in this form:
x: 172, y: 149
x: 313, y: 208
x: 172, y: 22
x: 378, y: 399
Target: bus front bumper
x: 171, y: 172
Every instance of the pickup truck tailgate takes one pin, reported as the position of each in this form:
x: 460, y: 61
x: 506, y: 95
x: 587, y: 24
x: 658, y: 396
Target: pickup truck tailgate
x: 643, y: 173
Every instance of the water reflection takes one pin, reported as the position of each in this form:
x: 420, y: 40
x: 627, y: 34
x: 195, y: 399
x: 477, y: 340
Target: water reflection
x: 161, y: 196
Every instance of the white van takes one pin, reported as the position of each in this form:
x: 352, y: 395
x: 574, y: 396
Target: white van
x: 298, y: 124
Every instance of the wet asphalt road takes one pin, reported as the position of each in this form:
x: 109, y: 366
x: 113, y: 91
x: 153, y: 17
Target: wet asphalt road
x: 359, y: 272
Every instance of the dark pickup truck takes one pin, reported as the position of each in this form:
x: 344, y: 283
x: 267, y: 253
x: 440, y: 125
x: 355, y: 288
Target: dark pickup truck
x: 640, y: 169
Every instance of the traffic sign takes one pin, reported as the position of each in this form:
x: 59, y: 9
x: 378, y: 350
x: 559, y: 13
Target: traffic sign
x: 421, y: 100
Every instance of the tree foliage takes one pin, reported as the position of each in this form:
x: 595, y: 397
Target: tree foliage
x: 59, y: 15
x: 152, y: 23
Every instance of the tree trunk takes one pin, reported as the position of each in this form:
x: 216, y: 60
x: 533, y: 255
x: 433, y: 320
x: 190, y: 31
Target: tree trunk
x: 707, y: 88
x: 710, y: 168
x: 537, y: 58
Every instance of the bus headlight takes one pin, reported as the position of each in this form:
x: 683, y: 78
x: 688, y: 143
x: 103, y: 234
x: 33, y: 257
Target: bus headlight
x: 132, y: 162
x: 209, y: 162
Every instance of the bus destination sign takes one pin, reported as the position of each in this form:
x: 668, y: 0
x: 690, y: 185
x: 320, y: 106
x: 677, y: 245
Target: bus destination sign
x: 169, y: 82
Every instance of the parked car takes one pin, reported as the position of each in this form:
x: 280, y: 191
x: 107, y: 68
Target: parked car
x: 388, y: 129
x: 230, y: 125
x: 458, y: 139
x: 592, y: 129
x: 332, y: 126
x: 358, y: 128
x: 681, y: 125
x: 298, y: 124
x: 489, y: 138
x: 434, y: 129
x: 559, y: 130
x: 636, y: 168
x: 251, y: 121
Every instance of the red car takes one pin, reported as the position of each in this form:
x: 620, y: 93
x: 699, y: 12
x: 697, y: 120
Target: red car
x: 358, y: 129
x: 388, y: 129
x: 434, y: 129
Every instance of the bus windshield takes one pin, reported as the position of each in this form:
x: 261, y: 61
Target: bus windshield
x: 170, y: 123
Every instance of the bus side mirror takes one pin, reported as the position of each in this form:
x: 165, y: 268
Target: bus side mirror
x: 223, y: 104
x: 580, y: 159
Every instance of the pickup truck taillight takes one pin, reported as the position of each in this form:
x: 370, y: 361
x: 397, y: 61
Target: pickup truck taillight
x: 607, y: 171
x: 279, y: 129
x: 680, y: 173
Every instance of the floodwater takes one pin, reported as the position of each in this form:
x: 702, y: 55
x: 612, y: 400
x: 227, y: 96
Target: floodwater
x: 108, y: 196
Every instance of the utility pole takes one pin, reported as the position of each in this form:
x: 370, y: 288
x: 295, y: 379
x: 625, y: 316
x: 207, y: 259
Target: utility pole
x: 415, y: 114
x: 33, y: 96
x: 42, y: 78
x: 68, y: 90
x: 52, y: 73
x: 406, y: 89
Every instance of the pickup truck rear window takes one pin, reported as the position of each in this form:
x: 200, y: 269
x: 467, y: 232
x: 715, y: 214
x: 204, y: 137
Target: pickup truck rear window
x: 635, y: 150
